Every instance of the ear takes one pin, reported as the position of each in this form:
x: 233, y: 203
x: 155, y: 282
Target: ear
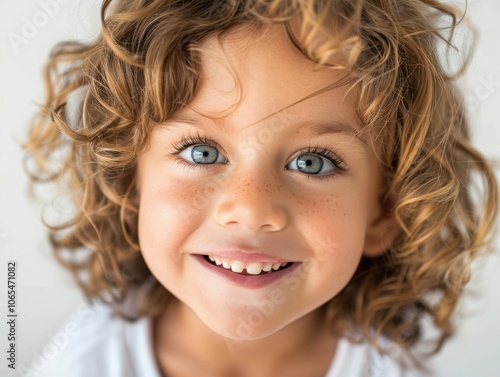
x: 382, y: 230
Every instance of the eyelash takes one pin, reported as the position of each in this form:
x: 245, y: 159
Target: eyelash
x: 327, y: 153
x: 188, y: 141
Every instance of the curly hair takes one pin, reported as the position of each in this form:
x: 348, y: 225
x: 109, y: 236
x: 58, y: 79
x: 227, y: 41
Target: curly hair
x: 104, y: 98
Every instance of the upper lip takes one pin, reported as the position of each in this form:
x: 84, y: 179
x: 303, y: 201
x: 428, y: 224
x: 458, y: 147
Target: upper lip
x: 263, y: 248
x: 245, y: 256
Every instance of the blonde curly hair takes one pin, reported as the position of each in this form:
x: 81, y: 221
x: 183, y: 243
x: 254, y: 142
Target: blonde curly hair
x: 104, y: 98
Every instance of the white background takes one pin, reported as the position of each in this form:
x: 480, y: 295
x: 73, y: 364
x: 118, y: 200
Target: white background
x: 47, y: 295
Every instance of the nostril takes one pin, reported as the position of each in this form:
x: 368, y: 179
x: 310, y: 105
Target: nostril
x: 251, y: 214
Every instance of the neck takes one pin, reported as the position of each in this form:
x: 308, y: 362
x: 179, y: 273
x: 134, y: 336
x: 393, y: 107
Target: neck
x: 180, y: 334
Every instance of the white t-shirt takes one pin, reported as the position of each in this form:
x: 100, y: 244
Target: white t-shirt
x: 94, y: 343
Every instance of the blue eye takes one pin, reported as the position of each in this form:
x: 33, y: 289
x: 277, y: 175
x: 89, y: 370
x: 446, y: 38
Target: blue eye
x: 310, y: 163
x: 315, y: 162
x: 202, y: 154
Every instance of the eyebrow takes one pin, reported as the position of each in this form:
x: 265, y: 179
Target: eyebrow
x: 219, y: 124
x: 322, y: 128
x: 313, y: 127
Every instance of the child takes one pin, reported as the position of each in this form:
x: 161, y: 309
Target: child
x: 264, y: 188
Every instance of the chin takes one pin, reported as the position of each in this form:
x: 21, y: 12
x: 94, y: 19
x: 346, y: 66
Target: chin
x: 245, y: 326
x: 242, y: 334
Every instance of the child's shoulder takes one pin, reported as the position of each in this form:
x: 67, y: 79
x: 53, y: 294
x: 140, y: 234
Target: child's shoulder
x: 363, y: 360
x: 97, y: 342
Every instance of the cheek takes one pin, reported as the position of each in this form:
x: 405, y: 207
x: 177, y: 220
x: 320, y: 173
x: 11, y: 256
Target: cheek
x: 334, y: 227
x: 171, y: 204
x: 334, y: 220
x: 168, y: 212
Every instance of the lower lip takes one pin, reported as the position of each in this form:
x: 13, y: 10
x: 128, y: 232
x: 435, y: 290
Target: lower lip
x: 246, y: 281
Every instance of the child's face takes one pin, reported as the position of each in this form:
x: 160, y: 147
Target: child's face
x: 255, y: 190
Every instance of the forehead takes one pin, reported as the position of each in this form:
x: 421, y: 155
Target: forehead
x: 259, y: 72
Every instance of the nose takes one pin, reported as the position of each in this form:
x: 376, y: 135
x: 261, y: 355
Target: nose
x: 252, y: 203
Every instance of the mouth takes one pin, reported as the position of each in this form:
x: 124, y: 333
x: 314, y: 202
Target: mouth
x: 247, y: 268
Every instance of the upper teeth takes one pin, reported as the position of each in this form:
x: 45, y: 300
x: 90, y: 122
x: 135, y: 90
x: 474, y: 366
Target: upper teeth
x: 253, y: 268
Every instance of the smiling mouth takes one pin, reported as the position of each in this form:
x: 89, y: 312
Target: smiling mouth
x: 252, y: 269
